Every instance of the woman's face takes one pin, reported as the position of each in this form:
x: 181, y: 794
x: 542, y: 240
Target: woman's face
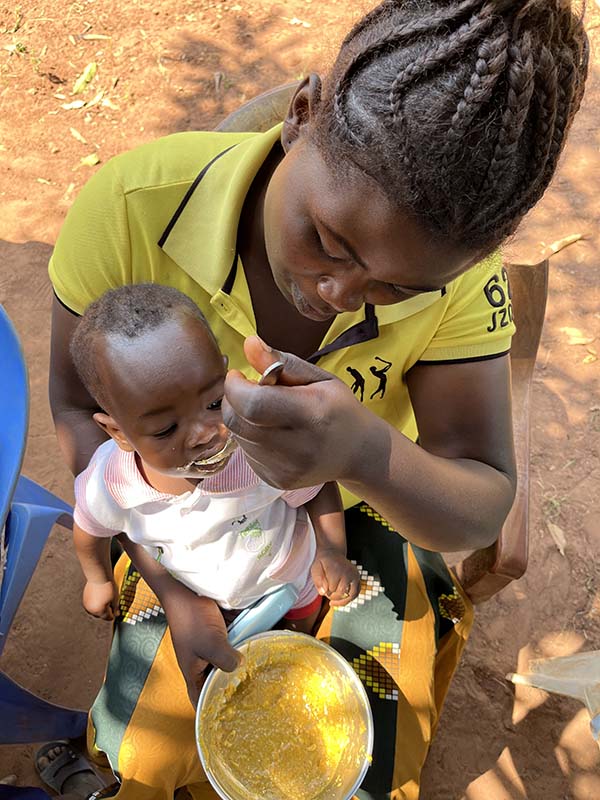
x: 336, y: 243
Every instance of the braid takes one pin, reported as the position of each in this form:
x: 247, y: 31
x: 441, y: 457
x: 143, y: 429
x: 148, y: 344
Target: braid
x: 405, y: 32
x: 541, y: 166
x: 491, y: 60
x: 367, y: 21
x: 438, y: 55
x: 458, y: 108
x: 520, y: 89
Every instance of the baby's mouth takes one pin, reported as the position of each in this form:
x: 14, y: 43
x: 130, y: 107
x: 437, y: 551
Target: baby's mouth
x: 211, y: 461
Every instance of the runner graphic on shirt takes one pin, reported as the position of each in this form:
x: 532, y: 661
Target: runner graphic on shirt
x: 381, y: 374
x: 359, y: 382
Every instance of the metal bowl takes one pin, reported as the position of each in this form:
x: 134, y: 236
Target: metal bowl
x: 265, y: 648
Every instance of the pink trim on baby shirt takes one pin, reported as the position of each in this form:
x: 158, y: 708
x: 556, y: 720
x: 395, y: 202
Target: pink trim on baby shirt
x: 129, y: 489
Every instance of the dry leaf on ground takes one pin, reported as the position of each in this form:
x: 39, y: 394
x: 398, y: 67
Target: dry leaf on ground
x: 576, y: 336
x: 558, y: 535
x: 91, y: 160
x: 85, y: 77
x: 76, y: 135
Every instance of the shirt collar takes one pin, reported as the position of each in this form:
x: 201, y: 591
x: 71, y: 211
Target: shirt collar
x: 126, y: 483
x: 201, y: 236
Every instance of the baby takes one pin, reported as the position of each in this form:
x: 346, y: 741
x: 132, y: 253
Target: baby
x: 172, y: 478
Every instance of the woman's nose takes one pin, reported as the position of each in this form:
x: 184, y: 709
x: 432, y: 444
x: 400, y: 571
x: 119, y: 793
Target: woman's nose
x: 342, y: 292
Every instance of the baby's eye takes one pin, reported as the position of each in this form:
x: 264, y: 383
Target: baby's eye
x: 166, y: 432
x: 215, y: 405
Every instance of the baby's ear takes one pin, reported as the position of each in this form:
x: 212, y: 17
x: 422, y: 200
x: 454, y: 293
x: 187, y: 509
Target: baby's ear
x: 111, y: 426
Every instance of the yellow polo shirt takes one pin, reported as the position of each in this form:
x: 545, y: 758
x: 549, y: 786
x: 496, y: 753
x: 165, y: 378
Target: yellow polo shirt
x: 168, y: 211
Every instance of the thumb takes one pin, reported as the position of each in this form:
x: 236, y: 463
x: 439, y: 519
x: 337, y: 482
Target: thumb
x: 225, y: 657
x: 296, y: 371
x: 217, y: 650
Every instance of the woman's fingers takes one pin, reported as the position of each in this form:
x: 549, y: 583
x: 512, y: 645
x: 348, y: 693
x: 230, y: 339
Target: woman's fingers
x: 296, y: 371
x: 246, y: 401
x: 295, y: 433
x: 285, y: 405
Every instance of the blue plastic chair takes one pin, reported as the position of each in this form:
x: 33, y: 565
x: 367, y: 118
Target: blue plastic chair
x: 27, y: 512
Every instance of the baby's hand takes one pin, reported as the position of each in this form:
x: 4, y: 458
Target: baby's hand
x: 101, y: 599
x: 335, y: 577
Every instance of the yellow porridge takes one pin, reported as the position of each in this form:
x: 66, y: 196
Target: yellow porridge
x: 287, y: 724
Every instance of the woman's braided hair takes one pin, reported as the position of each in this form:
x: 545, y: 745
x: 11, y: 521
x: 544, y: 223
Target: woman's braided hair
x: 459, y: 109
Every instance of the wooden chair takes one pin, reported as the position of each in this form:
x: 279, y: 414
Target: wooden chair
x: 487, y: 571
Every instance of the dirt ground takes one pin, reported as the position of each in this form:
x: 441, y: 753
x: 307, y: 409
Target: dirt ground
x: 166, y: 66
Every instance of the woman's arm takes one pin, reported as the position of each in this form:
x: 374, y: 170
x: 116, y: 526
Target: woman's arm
x: 454, y: 490
x: 451, y: 492
x: 72, y: 406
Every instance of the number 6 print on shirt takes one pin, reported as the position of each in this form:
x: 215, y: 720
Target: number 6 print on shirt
x: 496, y: 295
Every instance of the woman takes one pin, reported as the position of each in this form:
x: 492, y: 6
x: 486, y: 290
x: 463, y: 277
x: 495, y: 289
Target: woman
x: 359, y: 242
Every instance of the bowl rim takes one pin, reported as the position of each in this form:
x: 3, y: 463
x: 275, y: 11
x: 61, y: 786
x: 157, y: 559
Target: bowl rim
x: 347, y: 668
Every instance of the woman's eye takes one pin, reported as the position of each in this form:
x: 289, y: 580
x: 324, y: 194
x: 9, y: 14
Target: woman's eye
x: 165, y: 433
x: 321, y: 247
x: 216, y: 405
x: 402, y: 292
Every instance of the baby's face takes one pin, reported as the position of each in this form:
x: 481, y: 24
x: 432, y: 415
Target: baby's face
x: 166, y: 389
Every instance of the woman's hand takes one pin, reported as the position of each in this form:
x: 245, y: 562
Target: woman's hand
x: 450, y: 492
x: 306, y: 430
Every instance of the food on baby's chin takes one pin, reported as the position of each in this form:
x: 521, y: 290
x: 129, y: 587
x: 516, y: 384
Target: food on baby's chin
x: 287, y: 725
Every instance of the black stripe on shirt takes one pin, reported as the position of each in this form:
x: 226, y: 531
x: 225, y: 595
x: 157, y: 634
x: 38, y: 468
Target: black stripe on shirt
x: 464, y: 360
x: 70, y: 310
x: 187, y: 196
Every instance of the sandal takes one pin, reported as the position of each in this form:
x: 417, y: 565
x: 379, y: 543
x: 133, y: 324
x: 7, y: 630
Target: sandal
x: 67, y: 764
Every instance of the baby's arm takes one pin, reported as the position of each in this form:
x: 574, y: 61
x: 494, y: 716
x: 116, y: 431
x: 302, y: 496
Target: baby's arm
x: 334, y: 576
x: 100, y: 595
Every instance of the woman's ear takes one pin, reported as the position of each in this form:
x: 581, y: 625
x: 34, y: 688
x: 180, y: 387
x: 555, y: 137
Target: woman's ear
x: 302, y: 108
x: 109, y: 425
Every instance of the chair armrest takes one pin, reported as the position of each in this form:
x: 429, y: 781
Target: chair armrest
x: 485, y: 572
x: 262, y: 112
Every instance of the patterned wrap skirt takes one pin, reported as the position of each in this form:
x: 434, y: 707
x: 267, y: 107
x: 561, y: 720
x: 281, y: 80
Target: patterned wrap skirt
x: 403, y: 635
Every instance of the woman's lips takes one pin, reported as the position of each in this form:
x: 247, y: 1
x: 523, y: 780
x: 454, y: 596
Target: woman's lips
x: 306, y: 309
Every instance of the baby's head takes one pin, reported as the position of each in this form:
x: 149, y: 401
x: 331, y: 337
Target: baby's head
x: 148, y: 357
